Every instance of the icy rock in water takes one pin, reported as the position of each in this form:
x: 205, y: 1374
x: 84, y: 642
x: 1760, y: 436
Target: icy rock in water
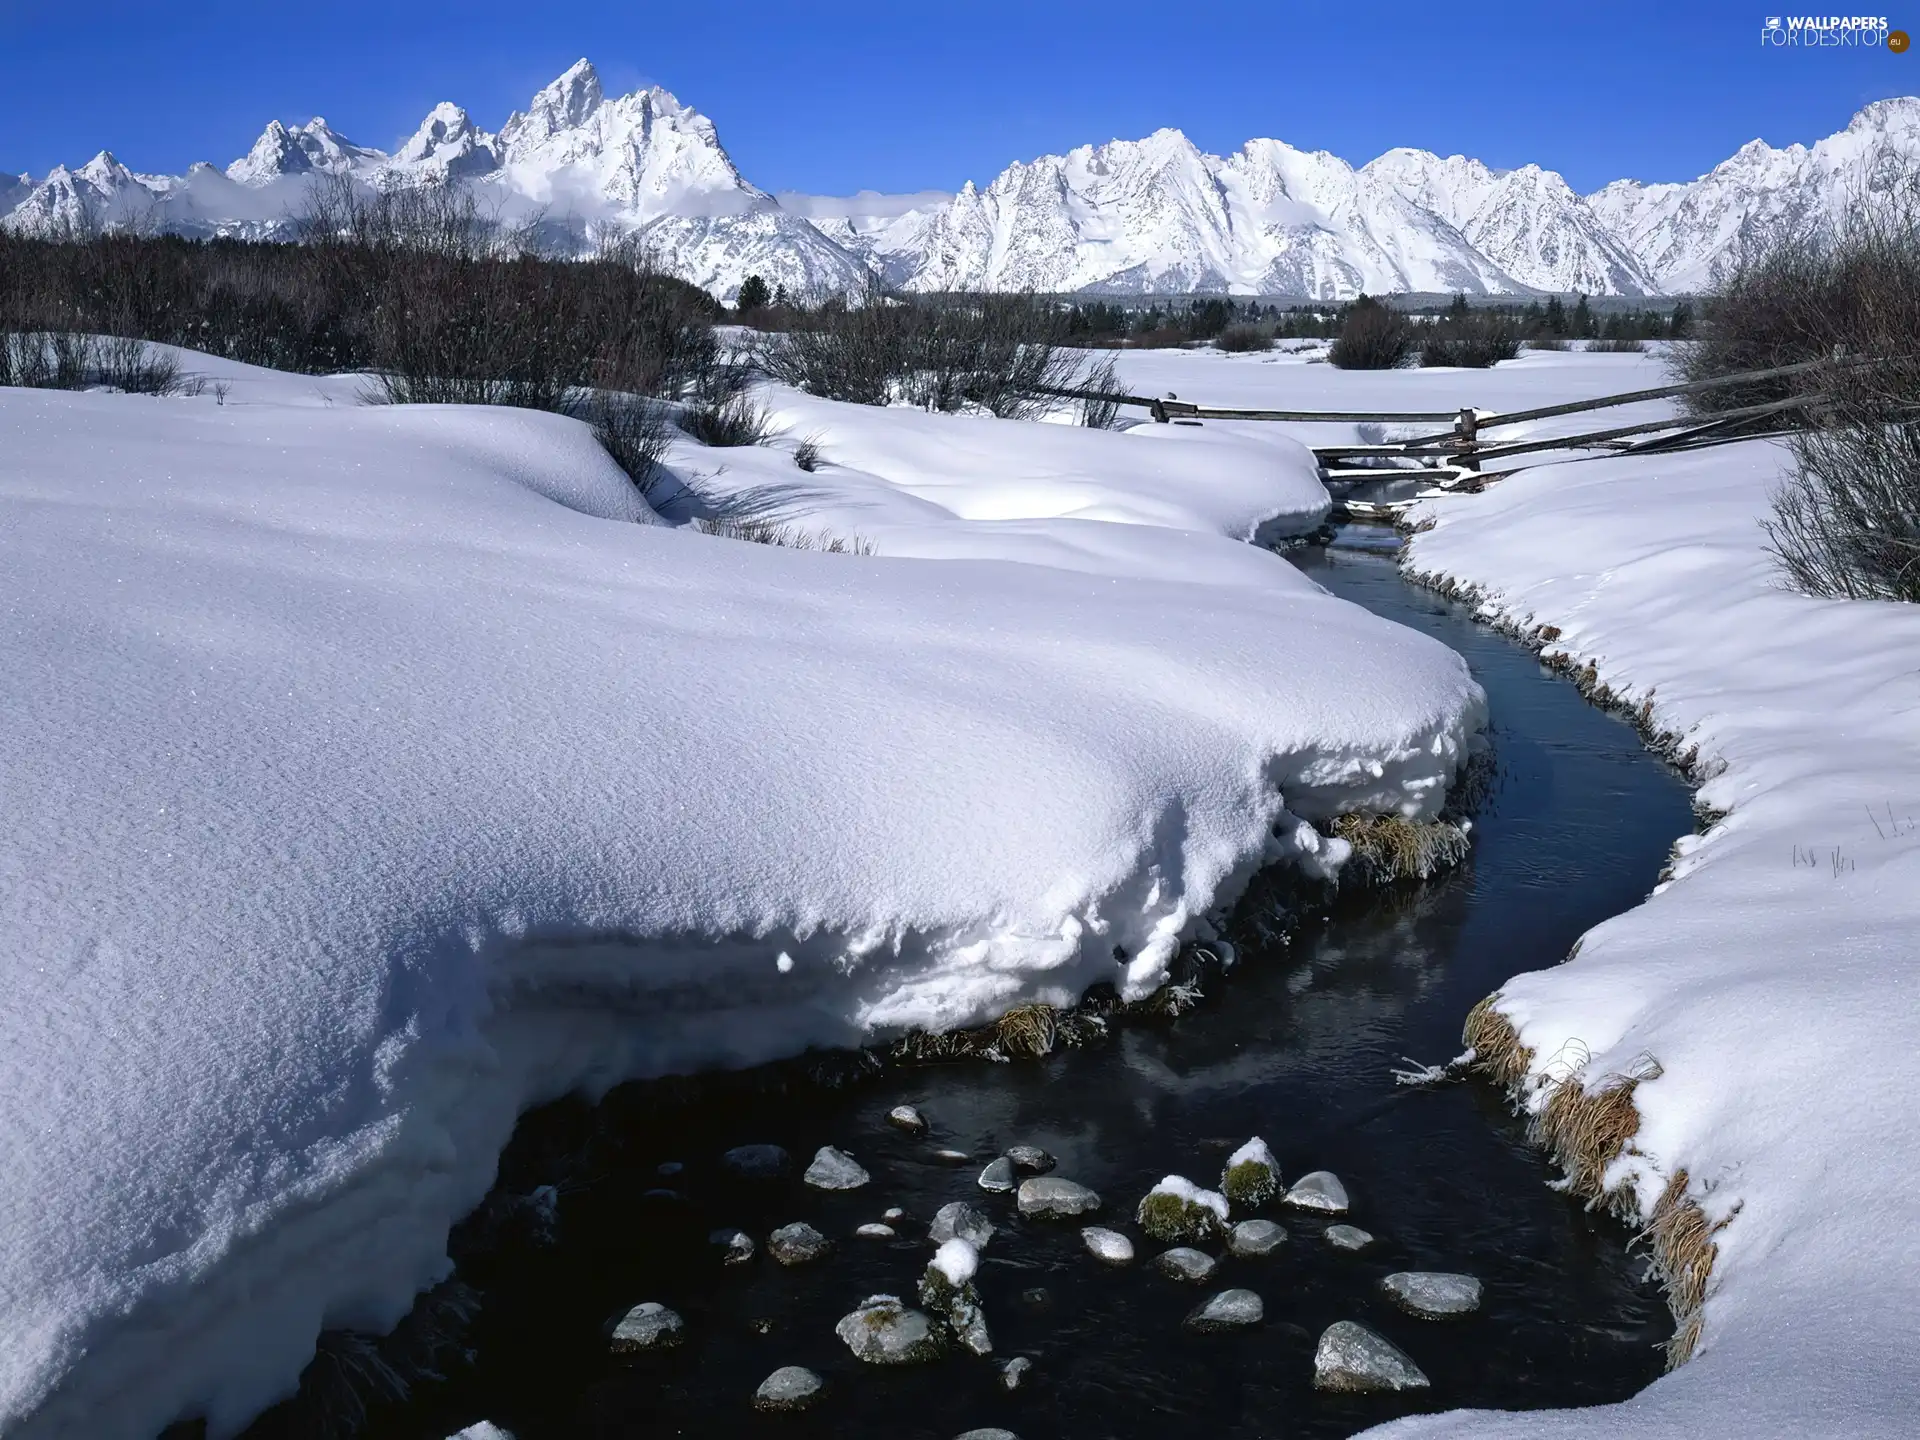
x: 1320, y: 1190
x: 1051, y: 1198
x: 735, y: 1246
x: 873, y: 1230
x: 997, y: 1178
x: 893, y: 1215
x: 960, y: 1221
x: 947, y: 1291
x: 1347, y: 1237
x: 1229, y: 1310
x: 953, y: 1157
x: 1030, y: 1159
x: 648, y: 1326
x: 791, y: 1387
x: 1352, y: 1357
x: 835, y: 1170
x: 1014, y: 1373
x: 667, y: 1169
x: 482, y: 1430
x: 1433, y: 1293
x: 797, y: 1244
x: 990, y: 1432
x: 1255, y: 1237
x: 1252, y: 1176
x: 1183, y: 1263
x: 1176, y: 1210
x: 1036, y: 1297
x: 755, y: 1162
x: 1109, y: 1246
x: 905, y: 1117
x: 885, y: 1332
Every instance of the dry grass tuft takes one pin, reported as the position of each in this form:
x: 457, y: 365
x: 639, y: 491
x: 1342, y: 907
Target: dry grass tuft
x: 1497, y: 1051
x: 1683, y: 1248
x: 1586, y: 1130
x: 758, y: 531
x: 1390, y: 847
x: 1027, y: 1031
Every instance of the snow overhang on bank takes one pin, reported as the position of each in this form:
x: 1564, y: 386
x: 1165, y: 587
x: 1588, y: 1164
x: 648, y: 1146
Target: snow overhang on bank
x: 371, y: 774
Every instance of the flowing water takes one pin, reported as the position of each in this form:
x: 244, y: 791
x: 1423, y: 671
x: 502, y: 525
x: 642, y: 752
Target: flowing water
x: 1295, y: 1046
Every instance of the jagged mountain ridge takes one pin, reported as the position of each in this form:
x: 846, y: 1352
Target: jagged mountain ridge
x: 1155, y: 215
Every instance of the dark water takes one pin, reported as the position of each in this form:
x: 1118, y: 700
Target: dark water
x: 1296, y: 1047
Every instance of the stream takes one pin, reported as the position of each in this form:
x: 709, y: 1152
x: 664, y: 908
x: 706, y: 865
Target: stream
x: 1295, y: 1046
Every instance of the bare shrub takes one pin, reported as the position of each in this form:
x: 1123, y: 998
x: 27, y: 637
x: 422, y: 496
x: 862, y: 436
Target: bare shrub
x: 135, y: 366
x: 806, y: 454
x: 1243, y: 338
x: 1099, y: 409
x: 1616, y: 347
x: 738, y: 419
x: 1474, y: 339
x: 1372, y: 337
x: 633, y: 430
x: 1548, y: 342
x: 1846, y: 522
x: 785, y: 534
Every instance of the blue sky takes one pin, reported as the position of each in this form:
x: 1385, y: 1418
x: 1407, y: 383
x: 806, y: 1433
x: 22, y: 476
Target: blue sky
x: 832, y: 96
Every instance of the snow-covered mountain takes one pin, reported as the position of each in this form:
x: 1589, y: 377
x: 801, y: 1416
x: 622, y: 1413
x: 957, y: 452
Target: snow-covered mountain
x: 1155, y: 215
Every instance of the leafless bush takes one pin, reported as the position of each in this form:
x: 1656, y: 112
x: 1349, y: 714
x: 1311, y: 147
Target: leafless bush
x: 1005, y: 354
x: 1240, y: 339
x: 1846, y: 522
x: 786, y: 535
x: 633, y: 430
x: 1475, y: 339
x: 1098, y: 409
x: 806, y: 454
x: 1548, y: 342
x: 1616, y: 347
x: 1372, y: 337
x: 738, y: 419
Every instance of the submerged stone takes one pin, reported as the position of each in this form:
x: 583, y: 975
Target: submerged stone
x: 1433, y: 1293
x: 958, y: 1220
x: 997, y: 1178
x: 1320, y: 1190
x: 735, y: 1246
x: 1014, y: 1373
x: 882, y: 1331
x: 755, y: 1162
x: 1108, y: 1246
x: 905, y: 1117
x: 791, y: 1387
x: 835, y: 1170
x: 1255, y: 1237
x: 1036, y: 1297
x: 797, y: 1244
x: 1229, y: 1310
x: 647, y: 1326
x: 1347, y: 1237
x: 874, y: 1230
x: 893, y: 1215
x: 990, y: 1432
x: 1030, y: 1159
x: 952, y: 1157
x: 1252, y: 1176
x: 1178, y: 1211
x: 1051, y: 1198
x: 1183, y: 1263
x: 1351, y: 1357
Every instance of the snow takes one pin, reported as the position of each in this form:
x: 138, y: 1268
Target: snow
x: 372, y: 774
x: 957, y: 1260
x: 1256, y: 1151
x: 1185, y: 1190
x: 1772, y: 978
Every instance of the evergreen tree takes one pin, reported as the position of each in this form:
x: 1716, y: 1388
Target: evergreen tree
x: 754, y: 294
x: 1680, y: 322
x: 1581, y: 326
x: 1556, y: 318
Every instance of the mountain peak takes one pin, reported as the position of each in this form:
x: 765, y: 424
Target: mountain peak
x: 569, y: 100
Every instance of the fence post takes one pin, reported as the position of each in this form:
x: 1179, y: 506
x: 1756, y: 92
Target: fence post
x: 1467, y: 429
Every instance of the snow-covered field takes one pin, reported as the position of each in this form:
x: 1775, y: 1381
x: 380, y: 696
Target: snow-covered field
x: 370, y: 774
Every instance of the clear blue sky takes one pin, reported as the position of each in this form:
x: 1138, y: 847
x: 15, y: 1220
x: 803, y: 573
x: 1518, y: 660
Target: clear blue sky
x: 829, y: 96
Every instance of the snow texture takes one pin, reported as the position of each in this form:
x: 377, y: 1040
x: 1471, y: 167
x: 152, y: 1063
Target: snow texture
x: 957, y: 1260
x: 1771, y: 979
x: 373, y: 773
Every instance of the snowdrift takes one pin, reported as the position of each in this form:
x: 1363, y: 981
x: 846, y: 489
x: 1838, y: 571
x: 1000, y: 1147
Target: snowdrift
x: 372, y: 774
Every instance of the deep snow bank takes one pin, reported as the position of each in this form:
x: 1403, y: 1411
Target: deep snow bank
x: 1775, y: 981
x: 368, y: 775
